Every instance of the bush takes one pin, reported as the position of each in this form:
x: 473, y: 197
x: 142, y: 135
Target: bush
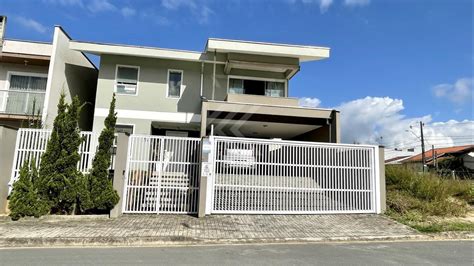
x: 25, y: 199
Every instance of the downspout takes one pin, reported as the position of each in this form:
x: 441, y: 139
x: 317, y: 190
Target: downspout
x: 330, y: 130
x: 214, y: 77
x: 202, y: 78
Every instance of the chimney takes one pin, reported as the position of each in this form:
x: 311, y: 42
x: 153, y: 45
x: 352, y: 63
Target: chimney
x: 3, y: 24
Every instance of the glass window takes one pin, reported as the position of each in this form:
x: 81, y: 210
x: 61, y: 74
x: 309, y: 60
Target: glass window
x: 124, y: 129
x: 236, y: 86
x: 175, y: 79
x: 26, y: 95
x: 275, y: 89
x: 127, y: 80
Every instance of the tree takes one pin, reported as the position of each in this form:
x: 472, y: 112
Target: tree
x: 61, y: 184
x: 102, y: 193
x: 25, y: 199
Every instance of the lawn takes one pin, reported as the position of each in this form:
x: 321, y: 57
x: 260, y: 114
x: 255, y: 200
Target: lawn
x: 428, y: 202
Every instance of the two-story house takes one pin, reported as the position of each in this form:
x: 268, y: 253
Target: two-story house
x: 232, y: 88
x: 33, y: 74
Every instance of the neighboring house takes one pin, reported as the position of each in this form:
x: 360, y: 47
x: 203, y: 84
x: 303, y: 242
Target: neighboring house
x: 435, y: 156
x: 232, y: 88
x: 396, y: 156
x: 32, y: 75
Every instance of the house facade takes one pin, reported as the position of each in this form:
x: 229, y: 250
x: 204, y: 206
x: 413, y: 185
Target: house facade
x: 33, y: 74
x: 232, y: 88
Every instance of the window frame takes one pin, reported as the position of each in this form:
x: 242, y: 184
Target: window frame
x: 284, y: 81
x: 126, y: 124
x: 3, y: 104
x: 116, y: 82
x: 181, y: 88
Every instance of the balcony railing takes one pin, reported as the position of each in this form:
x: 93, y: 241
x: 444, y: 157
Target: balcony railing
x: 21, y: 102
x: 261, y: 99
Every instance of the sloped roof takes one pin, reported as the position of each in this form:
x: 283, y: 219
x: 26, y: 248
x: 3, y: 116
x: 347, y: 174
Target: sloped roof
x: 440, y: 152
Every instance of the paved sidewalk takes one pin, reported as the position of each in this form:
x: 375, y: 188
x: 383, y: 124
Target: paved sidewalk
x: 184, y: 229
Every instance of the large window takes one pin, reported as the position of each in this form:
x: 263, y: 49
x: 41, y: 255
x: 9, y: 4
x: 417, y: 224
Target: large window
x: 175, y: 82
x: 24, y: 94
x: 126, y: 80
x: 257, y: 87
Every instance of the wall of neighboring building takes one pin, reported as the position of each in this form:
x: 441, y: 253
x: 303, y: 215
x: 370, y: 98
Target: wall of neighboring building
x: 7, y: 149
x: 70, y: 71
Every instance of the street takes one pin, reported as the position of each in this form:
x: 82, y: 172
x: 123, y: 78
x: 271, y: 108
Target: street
x: 380, y: 253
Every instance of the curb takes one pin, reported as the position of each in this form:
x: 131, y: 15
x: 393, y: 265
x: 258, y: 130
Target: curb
x: 186, y: 241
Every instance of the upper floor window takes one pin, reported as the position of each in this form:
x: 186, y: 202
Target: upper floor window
x: 24, y: 93
x: 175, y: 81
x: 119, y: 128
x: 257, y: 87
x: 126, y: 80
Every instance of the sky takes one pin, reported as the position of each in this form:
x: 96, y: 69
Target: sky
x: 393, y: 63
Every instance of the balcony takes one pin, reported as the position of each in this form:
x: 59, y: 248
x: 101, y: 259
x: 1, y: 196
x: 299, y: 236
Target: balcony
x: 261, y: 99
x: 21, y: 102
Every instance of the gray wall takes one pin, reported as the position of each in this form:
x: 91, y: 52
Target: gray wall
x: 152, y: 86
x: 7, y: 149
x: 71, y: 72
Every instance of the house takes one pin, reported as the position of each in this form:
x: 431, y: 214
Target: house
x: 396, y: 156
x: 231, y: 88
x: 33, y: 74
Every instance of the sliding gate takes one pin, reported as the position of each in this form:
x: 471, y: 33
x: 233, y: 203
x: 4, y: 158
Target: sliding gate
x: 162, y: 174
x: 276, y: 177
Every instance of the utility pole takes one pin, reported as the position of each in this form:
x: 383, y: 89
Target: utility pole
x: 423, y: 159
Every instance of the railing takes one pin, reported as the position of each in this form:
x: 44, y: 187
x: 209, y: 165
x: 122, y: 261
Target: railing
x: 277, y: 177
x: 21, y: 102
x: 31, y: 144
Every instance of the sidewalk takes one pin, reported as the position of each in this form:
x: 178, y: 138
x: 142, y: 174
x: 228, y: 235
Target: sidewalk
x: 147, y: 230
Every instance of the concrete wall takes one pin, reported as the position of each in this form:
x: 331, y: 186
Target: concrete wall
x: 7, y: 149
x: 70, y: 71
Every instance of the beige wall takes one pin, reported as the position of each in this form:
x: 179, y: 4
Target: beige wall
x: 7, y: 149
x: 71, y: 72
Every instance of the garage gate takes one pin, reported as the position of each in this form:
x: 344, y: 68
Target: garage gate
x: 289, y: 177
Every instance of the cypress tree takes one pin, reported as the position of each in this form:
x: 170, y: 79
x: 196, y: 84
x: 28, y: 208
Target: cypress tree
x: 25, y: 199
x: 103, y: 195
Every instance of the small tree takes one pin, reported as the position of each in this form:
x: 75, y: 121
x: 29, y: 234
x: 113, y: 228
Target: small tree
x: 102, y: 194
x: 61, y: 183
x: 25, y: 199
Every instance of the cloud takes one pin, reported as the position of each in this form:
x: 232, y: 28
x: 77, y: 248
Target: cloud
x: 96, y: 6
x: 323, y: 4
x: 309, y: 102
x: 65, y: 2
x: 459, y: 93
x: 377, y: 120
x: 356, y: 2
x: 200, y: 11
x: 128, y: 12
x: 31, y: 24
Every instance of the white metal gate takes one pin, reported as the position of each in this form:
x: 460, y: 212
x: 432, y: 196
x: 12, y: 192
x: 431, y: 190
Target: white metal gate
x: 162, y: 175
x: 277, y: 177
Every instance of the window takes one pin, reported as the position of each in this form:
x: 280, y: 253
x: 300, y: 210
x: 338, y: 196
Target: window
x: 256, y: 87
x: 25, y: 93
x: 124, y: 129
x: 175, y: 81
x: 126, y: 80
x: 174, y: 133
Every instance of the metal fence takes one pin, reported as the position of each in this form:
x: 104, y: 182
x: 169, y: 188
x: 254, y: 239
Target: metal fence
x: 162, y: 175
x: 21, y: 102
x: 274, y: 176
x: 31, y: 144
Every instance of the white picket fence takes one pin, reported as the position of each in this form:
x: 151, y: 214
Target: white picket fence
x: 162, y: 175
x: 31, y: 144
x: 290, y: 177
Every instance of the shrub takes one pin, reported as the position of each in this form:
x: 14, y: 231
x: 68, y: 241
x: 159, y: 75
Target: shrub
x: 25, y: 200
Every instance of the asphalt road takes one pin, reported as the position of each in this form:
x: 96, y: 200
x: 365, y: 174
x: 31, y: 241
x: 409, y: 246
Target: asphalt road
x: 382, y: 253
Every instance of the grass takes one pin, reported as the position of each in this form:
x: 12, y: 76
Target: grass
x: 427, y: 202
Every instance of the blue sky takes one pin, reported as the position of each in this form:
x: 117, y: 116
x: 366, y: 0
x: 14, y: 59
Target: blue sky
x: 401, y: 61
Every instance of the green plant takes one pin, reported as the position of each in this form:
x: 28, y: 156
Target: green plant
x: 25, y: 200
x: 102, y: 193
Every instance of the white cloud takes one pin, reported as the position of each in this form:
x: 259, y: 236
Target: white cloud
x: 200, y: 10
x: 96, y: 6
x: 66, y: 2
x: 376, y: 120
x: 459, y: 93
x: 175, y: 4
x: 309, y: 102
x: 356, y: 2
x: 31, y: 24
x: 323, y: 4
x: 128, y: 12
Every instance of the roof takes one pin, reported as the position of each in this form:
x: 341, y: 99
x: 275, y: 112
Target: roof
x: 396, y: 160
x: 440, y: 152
x: 301, y: 52
x: 27, y: 47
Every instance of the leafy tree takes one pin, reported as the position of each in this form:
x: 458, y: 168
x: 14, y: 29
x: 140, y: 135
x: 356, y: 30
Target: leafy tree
x: 102, y: 193
x: 25, y: 200
x: 61, y: 184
